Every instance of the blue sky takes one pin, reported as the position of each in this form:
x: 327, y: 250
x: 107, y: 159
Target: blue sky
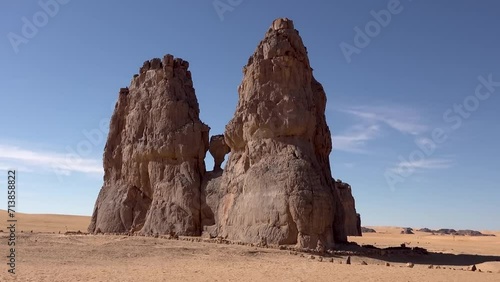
x: 413, y: 83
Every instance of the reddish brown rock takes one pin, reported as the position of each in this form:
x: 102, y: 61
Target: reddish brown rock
x: 277, y: 183
x: 352, y: 220
x: 154, y: 155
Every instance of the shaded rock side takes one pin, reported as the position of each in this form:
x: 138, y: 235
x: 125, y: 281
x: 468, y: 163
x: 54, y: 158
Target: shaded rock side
x: 277, y: 184
x: 352, y: 220
x: 154, y: 155
x: 211, y: 186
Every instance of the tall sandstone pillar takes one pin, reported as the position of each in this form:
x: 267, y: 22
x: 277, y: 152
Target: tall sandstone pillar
x: 154, y: 155
x: 277, y: 184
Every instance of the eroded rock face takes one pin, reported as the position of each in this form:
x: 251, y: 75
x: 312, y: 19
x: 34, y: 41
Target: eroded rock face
x: 277, y: 184
x: 352, y: 220
x: 154, y: 155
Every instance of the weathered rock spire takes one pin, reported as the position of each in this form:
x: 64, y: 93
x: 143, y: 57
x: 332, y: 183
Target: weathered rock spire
x: 154, y: 155
x: 277, y: 185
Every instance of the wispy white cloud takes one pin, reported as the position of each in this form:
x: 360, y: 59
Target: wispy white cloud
x: 423, y: 164
x: 349, y: 165
x: 6, y: 166
x: 403, y: 119
x: 355, y: 139
x: 32, y: 160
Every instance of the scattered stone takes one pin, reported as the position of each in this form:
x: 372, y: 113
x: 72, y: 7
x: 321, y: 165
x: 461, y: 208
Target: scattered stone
x: 367, y: 230
x: 430, y: 266
x: 387, y: 264
x: 320, y: 259
x: 320, y: 248
x: 407, y: 230
x: 348, y: 260
x: 312, y: 257
x: 331, y: 260
x: 410, y: 265
x: 364, y: 263
x: 472, y: 268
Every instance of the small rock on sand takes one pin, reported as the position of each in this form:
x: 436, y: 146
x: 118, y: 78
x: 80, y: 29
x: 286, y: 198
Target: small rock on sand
x: 348, y: 260
x: 410, y: 265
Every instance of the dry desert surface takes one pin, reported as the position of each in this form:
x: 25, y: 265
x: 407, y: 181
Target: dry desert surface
x: 45, y: 255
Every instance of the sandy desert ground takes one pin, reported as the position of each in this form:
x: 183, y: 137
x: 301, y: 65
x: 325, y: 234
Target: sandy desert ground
x: 46, y: 255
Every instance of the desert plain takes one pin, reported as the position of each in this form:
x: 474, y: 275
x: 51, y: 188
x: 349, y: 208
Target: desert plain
x: 46, y: 252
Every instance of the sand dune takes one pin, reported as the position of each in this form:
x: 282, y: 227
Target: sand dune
x: 43, y: 256
x: 48, y: 222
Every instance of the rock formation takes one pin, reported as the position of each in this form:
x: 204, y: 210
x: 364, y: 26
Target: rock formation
x: 211, y: 186
x: 218, y: 149
x: 368, y: 230
x: 276, y: 187
x: 352, y: 219
x: 407, y: 230
x: 277, y: 183
x: 154, y: 155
